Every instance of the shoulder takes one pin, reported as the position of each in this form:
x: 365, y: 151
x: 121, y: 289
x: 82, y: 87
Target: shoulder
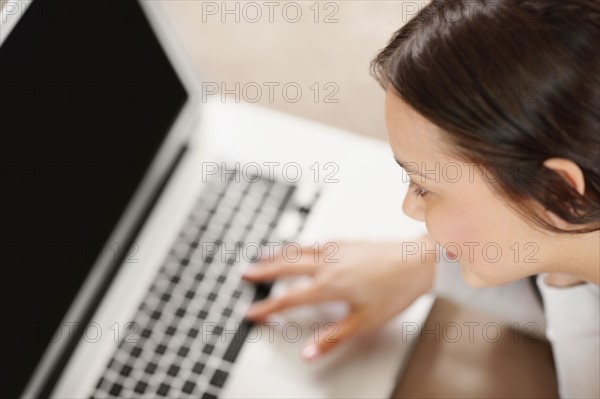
x: 572, y: 302
x: 573, y: 328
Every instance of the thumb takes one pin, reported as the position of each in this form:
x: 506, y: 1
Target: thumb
x: 332, y: 334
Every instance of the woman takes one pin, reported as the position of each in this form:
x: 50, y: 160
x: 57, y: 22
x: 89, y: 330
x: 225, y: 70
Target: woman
x: 508, y: 93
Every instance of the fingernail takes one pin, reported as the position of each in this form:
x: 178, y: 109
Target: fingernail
x: 249, y: 272
x: 252, y: 312
x: 310, y: 352
x: 266, y: 256
x: 263, y: 257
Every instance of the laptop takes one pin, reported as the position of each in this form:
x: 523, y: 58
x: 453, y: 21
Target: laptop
x: 133, y: 202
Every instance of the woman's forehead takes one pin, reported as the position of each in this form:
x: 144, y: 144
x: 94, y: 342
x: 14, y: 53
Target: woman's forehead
x: 413, y: 138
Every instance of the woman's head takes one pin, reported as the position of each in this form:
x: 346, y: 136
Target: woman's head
x: 498, y: 103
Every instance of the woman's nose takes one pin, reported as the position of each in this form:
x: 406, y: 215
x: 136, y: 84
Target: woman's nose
x: 413, y: 207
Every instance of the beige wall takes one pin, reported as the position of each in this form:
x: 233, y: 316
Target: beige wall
x: 303, y: 53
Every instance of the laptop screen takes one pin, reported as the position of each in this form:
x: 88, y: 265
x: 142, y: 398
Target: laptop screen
x: 87, y: 96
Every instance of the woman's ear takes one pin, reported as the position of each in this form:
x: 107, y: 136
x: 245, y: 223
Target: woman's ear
x: 569, y: 171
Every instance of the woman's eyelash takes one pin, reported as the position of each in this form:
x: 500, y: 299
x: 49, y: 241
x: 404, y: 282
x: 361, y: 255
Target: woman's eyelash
x: 417, y: 190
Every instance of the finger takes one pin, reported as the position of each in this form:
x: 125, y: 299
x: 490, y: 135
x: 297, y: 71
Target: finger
x: 333, y: 334
x: 290, y: 252
x: 273, y: 271
x: 294, y: 297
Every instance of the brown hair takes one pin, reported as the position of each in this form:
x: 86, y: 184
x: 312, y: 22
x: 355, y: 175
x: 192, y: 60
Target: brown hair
x: 511, y: 83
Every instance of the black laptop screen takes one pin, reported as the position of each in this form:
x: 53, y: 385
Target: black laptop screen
x: 87, y: 96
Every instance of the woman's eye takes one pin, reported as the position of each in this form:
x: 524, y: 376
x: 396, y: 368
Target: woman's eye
x: 417, y: 190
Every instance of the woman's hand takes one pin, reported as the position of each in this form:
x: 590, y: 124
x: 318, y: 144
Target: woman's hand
x: 377, y: 281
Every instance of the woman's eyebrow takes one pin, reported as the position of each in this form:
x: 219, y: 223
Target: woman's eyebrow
x: 405, y: 166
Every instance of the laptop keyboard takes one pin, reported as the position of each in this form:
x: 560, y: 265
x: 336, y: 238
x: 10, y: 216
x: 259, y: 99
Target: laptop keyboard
x: 188, y: 330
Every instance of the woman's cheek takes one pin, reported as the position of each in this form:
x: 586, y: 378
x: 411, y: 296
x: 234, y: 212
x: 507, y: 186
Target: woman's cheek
x: 449, y: 229
x: 477, y: 233
x: 456, y: 233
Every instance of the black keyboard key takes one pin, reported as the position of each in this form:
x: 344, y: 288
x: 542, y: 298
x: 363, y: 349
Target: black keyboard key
x: 163, y: 389
x: 190, y: 294
x: 173, y: 370
x: 140, y: 387
x: 165, y: 297
x: 287, y: 197
x: 150, y: 368
x: 160, y: 349
x: 125, y: 370
x: 170, y: 331
x: 146, y: 333
x: 218, y: 378
x: 188, y: 387
x: 238, y: 340
x: 136, y: 351
x: 183, y: 351
x: 156, y: 315
x: 115, y: 390
x: 198, y: 368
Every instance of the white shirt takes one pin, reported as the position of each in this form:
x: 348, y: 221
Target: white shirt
x: 569, y: 319
x: 573, y: 329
